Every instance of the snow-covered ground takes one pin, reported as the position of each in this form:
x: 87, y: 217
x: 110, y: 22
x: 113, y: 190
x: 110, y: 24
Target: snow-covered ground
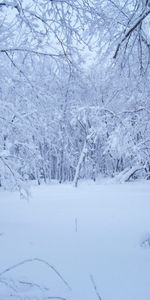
x: 95, y: 230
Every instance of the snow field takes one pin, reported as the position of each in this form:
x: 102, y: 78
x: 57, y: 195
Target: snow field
x: 93, y: 230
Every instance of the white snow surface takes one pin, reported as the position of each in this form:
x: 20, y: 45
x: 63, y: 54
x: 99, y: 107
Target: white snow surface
x: 95, y: 229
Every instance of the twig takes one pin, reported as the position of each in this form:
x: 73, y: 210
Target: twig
x: 32, y: 284
x: 58, y: 298
x: 95, y: 287
x: 76, y: 224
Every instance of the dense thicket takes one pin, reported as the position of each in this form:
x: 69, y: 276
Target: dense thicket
x: 74, y: 90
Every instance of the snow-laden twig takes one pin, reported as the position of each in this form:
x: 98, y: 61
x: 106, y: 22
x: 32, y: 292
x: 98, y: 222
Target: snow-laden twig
x: 127, y: 173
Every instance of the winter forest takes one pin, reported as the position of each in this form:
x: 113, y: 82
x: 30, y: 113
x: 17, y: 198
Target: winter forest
x: 74, y: 90
x: 74, y: 149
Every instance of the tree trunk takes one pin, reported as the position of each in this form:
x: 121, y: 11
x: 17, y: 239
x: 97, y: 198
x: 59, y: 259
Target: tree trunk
x: 79, y: 165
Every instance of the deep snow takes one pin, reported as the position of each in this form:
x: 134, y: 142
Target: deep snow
x: 96, y: 229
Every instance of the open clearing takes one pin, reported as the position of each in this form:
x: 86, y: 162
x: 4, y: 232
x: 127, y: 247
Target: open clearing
x: 95, y: 230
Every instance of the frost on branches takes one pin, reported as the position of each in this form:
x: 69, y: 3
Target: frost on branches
x: 74, y: 91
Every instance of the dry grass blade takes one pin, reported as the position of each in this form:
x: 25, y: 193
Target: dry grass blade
x: 39, y: 261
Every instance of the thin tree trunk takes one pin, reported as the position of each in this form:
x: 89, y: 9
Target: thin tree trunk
x: 79, y: 165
